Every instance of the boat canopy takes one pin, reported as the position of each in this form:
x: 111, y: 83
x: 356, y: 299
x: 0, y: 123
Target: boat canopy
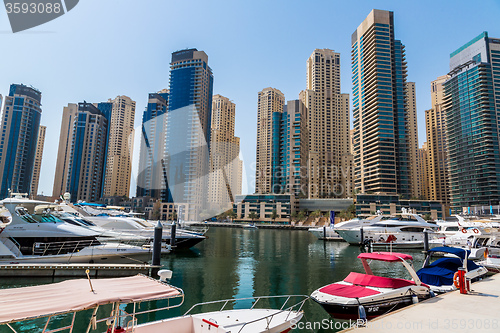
x: 19, y: 304
x: 452, y: 250
x: 385, y: 256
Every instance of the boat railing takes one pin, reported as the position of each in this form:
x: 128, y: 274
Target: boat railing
x: 295, y: 307
x: 55, y: 248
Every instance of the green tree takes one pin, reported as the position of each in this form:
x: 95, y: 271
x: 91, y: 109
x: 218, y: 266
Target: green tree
x: 231, y: 215
x: 301, y: 216
x: 253, y: 216
x: 274, y: 215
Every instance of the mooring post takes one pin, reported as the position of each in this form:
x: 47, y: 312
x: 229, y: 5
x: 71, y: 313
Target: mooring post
x: 361, y: 235
x: 172, y: 235
x: 157, y: 244
x: 426, y: 241
x: 324, y: 233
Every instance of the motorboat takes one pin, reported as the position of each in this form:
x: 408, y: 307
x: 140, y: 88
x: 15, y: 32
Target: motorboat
x: 369, y: 296
x: 43, y: 238
x: 398, y: 230
x: 136, y: 226
x: 55, y: 301
x: 439, y: 274
x: 250, y: 226
x: 330, y: 233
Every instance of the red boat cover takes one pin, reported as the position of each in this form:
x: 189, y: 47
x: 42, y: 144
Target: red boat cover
x: 385, y: 256
x: 377, y: 281
x: 350, y: 291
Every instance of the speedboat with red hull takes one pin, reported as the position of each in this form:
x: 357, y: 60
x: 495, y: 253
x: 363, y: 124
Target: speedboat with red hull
x: 366, y: 296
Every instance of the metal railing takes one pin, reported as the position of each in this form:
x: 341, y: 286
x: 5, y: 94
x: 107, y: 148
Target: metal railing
x: 55, y: 248
x: 297, y: 307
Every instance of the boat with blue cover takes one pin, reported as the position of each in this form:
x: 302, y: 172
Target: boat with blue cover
x: 439, y: 273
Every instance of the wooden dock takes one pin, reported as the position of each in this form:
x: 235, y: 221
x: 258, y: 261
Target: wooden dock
x: 72, y: 270
x: 451, y: 312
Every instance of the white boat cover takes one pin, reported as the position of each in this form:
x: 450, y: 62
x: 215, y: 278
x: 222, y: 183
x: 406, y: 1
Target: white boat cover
x: 18, y: 304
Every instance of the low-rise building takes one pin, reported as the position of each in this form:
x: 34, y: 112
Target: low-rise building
x: 392, y: 204
x: 264, y: 205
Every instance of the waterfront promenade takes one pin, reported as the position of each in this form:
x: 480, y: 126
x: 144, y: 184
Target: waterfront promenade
x: 450, y: 312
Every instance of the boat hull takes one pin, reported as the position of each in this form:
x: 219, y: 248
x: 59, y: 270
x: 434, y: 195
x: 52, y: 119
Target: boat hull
x: 373, y: 309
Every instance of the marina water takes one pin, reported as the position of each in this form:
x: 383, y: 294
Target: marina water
x: 237, y: 263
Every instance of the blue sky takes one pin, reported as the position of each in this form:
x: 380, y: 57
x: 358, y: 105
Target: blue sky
x: 105, y: 48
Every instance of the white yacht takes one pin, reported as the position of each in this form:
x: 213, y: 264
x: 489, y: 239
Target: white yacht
x: 404, y: 230
x: 329, y: 232
x: 43, y: 238
x: 134, y: 225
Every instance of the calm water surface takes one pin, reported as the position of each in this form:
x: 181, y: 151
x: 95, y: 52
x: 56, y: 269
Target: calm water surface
x: 236, y: 263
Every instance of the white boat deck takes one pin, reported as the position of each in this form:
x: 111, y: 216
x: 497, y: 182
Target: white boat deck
x: 450, y: 312
x: 243, y: 321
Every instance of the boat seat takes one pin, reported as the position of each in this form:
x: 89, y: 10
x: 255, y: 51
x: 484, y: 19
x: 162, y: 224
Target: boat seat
x: 367, y: 280
x: 343, y: 290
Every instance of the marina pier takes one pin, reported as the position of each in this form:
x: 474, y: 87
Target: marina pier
x: 450, y: 312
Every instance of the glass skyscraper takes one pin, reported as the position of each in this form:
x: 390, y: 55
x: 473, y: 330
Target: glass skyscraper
x: 381, y: 129
x: 188, y: 126
x: 20, y: 126
x: 471, y: 106
x: 150, y: 180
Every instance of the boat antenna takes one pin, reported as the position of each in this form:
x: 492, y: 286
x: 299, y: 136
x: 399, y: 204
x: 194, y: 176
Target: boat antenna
x: 90, y: 282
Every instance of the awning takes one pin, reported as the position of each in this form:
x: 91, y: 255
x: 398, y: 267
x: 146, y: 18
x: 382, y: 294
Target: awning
x: 385, y: 256
x: 18, y: 304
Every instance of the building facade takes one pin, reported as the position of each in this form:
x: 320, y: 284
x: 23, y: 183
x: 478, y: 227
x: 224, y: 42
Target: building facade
x: 435, y: 124
x: 411, y: 105
x: 120, y: 147
x: 187, y: 142
x: 472, y: 105
x: 269, y: 118
x: 225, y: 164
x: 20, y: 125
x: 151, y: 180
x: 381, y: 130
x: 82, y: 152
x: 38, y: 160
x: 424, y: 178
x: 329, y: 159
x: 265, y: 207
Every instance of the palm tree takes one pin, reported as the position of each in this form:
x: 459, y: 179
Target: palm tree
x: 253, y: 216
x: 231, y: 215
x: 274, y: 215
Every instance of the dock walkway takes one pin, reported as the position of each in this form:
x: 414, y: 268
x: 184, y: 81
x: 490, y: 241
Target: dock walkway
x: 478, y: 311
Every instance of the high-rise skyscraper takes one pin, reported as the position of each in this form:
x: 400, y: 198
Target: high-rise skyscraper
x: 82, y: 152
x: 269, y: 113
x: 151, y: 180
x: 225, y: 164
x: 38, y: 160
x: 187, y: 143
x: 435, y: 124
x: 411, y: 104
x: 329, y: 160
x: 20, y: 124
x: 65, y: 140
x: 120, y: 147
x: 423, y: 172
x: 381, y: 130
x: 472, y: 109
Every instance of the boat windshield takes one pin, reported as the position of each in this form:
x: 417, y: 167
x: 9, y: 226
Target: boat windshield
x: 71, y: 219
x: 45, y: 218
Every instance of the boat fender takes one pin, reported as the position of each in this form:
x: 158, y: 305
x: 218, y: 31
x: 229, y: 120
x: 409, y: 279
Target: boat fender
x: 456, y: 280
x: 362, y: 312
x: 414, y: 299
x: 431, y: 294
x: 486, y: 252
